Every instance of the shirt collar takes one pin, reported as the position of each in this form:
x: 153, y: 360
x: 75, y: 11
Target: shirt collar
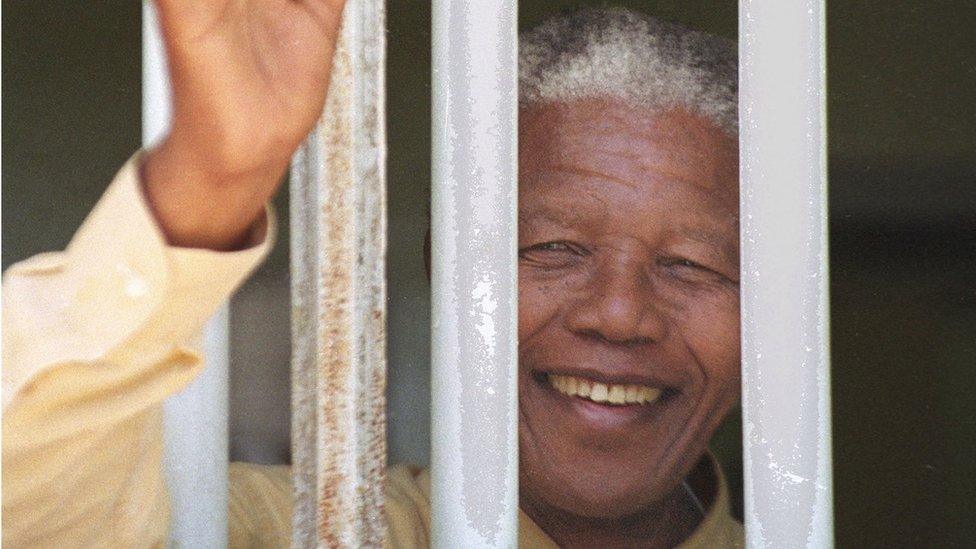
x: 717, y: 529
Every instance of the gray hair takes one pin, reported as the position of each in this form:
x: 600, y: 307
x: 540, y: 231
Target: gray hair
x: 617, y: 53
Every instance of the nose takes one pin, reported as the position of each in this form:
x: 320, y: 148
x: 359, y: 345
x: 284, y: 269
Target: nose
x: 619, y: 307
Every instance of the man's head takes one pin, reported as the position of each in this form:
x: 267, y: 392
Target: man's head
x: 628, y: 258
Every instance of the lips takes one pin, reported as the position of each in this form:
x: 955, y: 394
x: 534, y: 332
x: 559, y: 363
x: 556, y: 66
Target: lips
x: 620, y: 394
x: 599, y: 403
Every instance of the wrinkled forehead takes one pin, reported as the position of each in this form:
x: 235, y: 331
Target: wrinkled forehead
x: 630, y: 145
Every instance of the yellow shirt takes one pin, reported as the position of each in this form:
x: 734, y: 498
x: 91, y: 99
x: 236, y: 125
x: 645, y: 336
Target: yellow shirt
x: 259, y: 511
x: 94, y: 339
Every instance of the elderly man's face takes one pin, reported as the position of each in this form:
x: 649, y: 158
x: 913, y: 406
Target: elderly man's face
x: 628, y: 291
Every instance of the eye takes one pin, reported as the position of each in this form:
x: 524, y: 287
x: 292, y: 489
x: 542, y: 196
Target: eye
x: 682, y: 262
x: 685, y: 268
x: 552, y: 254
x: 689, y: 270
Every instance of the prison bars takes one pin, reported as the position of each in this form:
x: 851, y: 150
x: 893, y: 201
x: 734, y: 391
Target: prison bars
x: 474, y: 416
x: 194, y: 420
x: 785, y: 314
x: 338, y: 209
x: 338, y: 291
x: 785, y: 360
x: 784, y: 296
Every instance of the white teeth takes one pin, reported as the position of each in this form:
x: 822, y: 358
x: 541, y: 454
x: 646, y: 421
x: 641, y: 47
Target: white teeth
x: 614, y: 393
x: 572, y: 387
x: 584, y: 388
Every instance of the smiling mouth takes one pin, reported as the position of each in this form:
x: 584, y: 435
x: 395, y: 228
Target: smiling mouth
x: 619, y: 394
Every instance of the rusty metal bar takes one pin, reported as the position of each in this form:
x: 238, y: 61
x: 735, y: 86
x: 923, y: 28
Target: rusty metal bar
x: 338, y: 222
x: 474, y: 427
x: 785, y: 313
x: 195, y: 419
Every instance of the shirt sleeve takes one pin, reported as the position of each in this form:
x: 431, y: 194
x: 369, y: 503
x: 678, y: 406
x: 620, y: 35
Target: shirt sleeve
x: 94, y: 339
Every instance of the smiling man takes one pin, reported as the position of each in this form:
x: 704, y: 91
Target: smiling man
x: 628, y: 289
x: 628, y: 278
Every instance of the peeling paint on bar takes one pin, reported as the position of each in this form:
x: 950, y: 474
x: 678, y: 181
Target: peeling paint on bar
x: 338, y: 222
x: 785, y: 313
x: 474, y: 430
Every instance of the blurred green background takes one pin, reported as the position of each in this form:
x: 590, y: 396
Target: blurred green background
x: 902, y: 133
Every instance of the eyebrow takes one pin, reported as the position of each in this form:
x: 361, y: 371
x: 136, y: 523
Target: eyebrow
x: 697, y: 234
x: 544, y: 213
x: 708, y: 237
x: 701, y: 235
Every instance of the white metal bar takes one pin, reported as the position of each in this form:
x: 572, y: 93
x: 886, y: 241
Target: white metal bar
x: 338, y: 208
x: 474, y: 427
x: 785, y: 330
x: 195, y: 420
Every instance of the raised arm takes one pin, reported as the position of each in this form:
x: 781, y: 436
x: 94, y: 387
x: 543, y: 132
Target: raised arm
x: 249, y: 80
x: 96, y: 337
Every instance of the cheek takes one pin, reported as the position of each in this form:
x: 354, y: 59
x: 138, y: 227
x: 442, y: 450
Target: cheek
x: 538, y: 303
x: 710, y: 328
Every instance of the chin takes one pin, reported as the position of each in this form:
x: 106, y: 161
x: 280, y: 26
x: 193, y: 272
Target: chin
x: 610, y: 503
x: 602, y: 493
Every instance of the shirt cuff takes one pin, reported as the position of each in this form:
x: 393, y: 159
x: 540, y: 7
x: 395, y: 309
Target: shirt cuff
x: 122, y: 245
x: 117, y: 277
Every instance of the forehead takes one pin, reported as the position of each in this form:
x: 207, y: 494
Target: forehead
x: 612, y: 150
x: 623, y: 141
x: 624, y: 174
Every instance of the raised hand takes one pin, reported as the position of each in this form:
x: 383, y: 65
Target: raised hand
x: 249, y: 81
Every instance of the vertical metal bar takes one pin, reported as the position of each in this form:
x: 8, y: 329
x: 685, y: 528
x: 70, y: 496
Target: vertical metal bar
x: 195, y: 420
x: 785, y: 330
x: 474, y: 454
x: 338, y: 195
